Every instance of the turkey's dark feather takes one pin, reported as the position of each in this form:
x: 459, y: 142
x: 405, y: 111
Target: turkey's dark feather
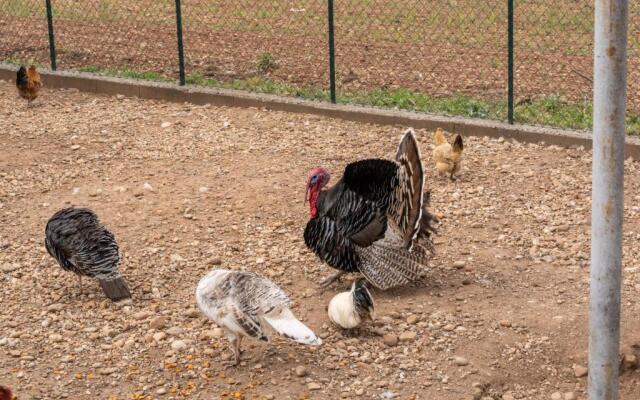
x: 77, y: 240
x: 323, y: 237
x: 373, y: 179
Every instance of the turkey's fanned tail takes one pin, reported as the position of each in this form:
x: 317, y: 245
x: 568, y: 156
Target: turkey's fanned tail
x: 387, y: 267
x: 405, y: 209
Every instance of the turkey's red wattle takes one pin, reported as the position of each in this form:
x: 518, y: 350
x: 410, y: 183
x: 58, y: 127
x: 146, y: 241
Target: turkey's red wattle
x: 313, y: 199
x: 5, y: 393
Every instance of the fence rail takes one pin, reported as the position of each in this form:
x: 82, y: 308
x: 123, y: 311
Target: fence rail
x: 527, y: 61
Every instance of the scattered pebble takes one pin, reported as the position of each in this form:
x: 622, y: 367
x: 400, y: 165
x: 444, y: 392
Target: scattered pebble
x: 301, y: 371
x: 158, y: 323
x: 579, y: 371
x: 178, y: 345
x: 460, y: 361
x: 412, y: 319
x: 390, y: 339
x: 407, y: 336
x: 55, y: 338
x: 140, y: 315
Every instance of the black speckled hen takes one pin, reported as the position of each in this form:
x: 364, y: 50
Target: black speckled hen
x: 81, y: 244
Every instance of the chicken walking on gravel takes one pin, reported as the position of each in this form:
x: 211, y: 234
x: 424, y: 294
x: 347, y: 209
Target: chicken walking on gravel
x: 82, y: 245
x: 349, y: 309
x: 447, y: 156
x: 28, y: 82
x: 244, y: 303
x: 374, y: 219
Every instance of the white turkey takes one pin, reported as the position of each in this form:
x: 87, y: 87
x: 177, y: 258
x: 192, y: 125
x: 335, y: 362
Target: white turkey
x: 244, y: 304
x: 374, y: 220
x: 81, y: 244
x: 349, y: 309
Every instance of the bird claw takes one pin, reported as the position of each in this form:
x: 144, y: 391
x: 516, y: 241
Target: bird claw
x: 230, y: 365
x: 325, y: 283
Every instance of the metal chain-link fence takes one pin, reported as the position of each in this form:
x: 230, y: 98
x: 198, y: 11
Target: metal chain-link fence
x: 438, y: 54
x: 23, y: 32
x: 444, y: 56
x: 249, y: 44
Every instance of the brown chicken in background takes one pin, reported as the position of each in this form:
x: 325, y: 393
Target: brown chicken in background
x: 5, y: 394
x: 446, y: 156
x: 28, y: 83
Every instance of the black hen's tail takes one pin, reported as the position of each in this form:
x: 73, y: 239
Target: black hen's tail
x: 458, y: 145
x: 21, y: 76
x: 115, y: 289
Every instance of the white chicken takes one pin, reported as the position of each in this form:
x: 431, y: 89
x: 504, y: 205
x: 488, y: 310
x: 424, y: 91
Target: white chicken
x: 244, y: 303
x: 349, y: 309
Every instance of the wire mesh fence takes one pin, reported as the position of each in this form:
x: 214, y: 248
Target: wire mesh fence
x: 23, y: 32
x: 250, y: 44
x: 444, y: 56
x: 424, y: 51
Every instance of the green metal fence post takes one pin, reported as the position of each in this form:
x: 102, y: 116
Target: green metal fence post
x: 332, y: 53
x: 52, y: 41
x: 180, y: 44
x: 510, y: 63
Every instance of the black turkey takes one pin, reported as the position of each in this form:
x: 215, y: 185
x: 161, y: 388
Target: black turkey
x: 374, y: 220
x: 82, y: 245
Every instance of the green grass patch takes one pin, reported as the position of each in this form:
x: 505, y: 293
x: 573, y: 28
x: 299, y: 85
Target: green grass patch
x: 26, y: 63
x: 259, y: 84
x: 126, y: 73
x: 404, y: 99
x: 552, y: 111
x: 549, y: 111
x: 267, y: 63
x: 21, y: 8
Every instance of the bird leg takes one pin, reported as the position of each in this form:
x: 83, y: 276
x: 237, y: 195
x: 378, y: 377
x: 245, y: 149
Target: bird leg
x: 80, y: 284
x: 236, y: 349
x: 329, y: 280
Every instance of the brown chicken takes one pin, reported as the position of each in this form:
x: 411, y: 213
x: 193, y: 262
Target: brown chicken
x: 28, y: 83
x: 446, y: 156
x: 5, y: 394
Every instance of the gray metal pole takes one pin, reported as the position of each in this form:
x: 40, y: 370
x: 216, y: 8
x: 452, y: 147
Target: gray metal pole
x: 609, y: 99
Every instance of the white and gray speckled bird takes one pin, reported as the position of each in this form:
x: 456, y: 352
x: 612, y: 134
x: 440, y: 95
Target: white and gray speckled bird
x: 244, y: 303
x: 81, y: 244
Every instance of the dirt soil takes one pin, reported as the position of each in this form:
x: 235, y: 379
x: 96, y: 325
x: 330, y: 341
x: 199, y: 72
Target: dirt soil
x: 500, y: 314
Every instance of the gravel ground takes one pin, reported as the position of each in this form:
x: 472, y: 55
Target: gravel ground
x: 500, y: 314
